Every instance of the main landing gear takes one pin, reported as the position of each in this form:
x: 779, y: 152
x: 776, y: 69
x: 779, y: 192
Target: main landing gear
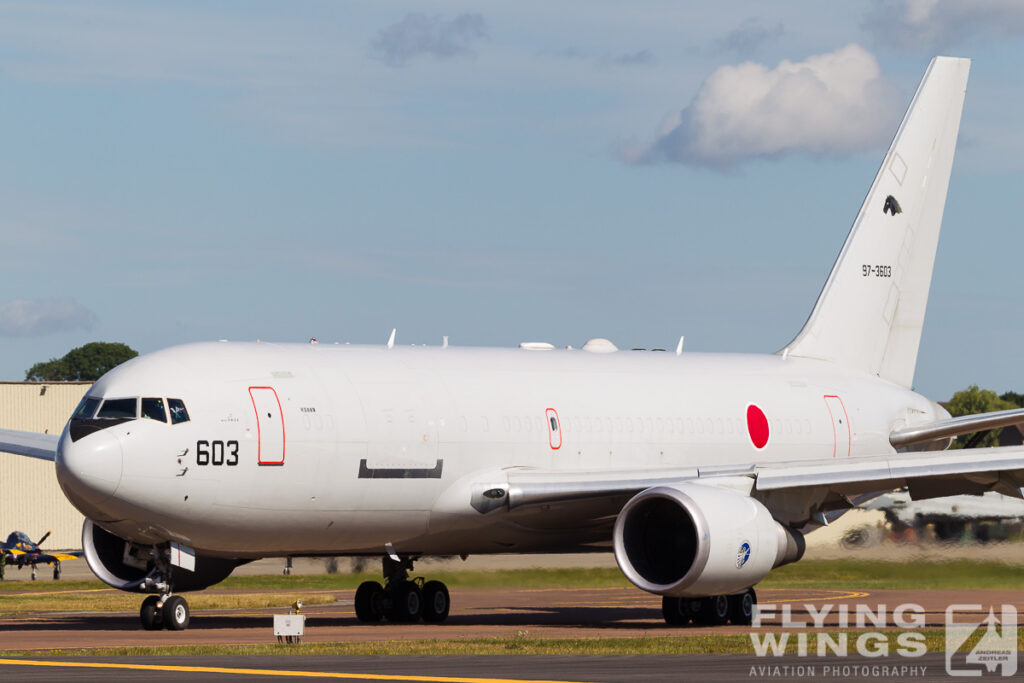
x: 400, y: 599
x: 716, y: 610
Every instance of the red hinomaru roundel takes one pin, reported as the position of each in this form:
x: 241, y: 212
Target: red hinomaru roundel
x: 757, y: 426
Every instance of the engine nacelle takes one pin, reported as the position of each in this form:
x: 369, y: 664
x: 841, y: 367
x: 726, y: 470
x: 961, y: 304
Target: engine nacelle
x: 132, y: 567
x: 695, y: 540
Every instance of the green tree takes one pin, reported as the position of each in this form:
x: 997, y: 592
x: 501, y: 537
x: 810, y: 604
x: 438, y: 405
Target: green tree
x: 971, y: 401
x: 1013, y: 397
x: 86, y: 363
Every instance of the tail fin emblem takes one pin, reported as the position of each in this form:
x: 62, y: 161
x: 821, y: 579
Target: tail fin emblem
x: 891, y: 206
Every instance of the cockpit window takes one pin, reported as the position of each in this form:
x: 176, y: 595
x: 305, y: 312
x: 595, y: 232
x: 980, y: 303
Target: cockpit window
x: 153, y: 408
x: 119, y: 407
x: 86, y: 408
x: 178, y: 412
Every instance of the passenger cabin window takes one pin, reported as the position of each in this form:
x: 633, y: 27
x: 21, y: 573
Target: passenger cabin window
x: 153, y: 408
x: 178, y: 412
x: 86, y: 408
x: 119, y: 407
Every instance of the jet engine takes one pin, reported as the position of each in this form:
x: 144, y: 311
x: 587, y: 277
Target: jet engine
x: 133, y: 567
x: 695, y: 540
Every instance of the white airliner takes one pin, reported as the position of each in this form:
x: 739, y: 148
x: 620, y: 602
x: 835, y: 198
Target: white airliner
x: 700, y: 470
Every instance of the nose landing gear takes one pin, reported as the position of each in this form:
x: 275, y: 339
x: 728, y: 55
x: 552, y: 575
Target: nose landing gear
x: 168, y: 611
x: 400, y: 599
x: 163, y: 610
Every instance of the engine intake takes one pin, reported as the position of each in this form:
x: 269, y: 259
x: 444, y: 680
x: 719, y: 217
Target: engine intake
x: 695, y: 540
x: 127, y: 566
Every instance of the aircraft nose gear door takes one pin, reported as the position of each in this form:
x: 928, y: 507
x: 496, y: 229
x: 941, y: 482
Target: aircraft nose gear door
x: 270, y: 425
x: 840, y: 426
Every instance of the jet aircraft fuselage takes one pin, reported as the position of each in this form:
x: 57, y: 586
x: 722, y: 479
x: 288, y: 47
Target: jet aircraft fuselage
x: 336, y: 449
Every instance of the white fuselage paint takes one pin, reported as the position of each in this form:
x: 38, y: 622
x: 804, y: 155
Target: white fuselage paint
x: 481, y: 412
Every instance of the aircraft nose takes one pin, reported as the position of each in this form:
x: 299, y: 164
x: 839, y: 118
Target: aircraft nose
x: 89, y: 469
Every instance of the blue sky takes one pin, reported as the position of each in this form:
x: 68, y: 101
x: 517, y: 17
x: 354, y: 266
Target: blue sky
x: 530, y: 171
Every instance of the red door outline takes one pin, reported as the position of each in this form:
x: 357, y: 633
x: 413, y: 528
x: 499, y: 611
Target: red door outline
x: 260, y: 421
x: 554, y: 430
x: 839, y: 420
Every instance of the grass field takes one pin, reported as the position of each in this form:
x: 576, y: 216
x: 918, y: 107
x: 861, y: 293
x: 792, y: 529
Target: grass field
x: 97, y: 599
x: 880, y: 575
x: 837, y: 574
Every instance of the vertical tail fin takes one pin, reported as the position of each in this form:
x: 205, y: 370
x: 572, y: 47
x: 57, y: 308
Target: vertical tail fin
x: 870, y: 312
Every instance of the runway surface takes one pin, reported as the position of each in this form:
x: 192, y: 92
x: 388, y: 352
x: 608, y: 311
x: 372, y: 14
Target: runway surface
x: 476, y: 613
x: 480, y: 669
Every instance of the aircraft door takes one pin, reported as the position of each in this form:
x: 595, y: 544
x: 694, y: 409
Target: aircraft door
x: 270, y: 425
x: 840, y: 426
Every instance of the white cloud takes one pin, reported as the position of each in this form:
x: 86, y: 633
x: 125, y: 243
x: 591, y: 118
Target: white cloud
x: 830, y: 104
x: 35, y: 317
x: 418, y: 34
x: 938, y: 24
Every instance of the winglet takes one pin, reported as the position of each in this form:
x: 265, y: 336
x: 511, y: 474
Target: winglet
x: 391, y: 339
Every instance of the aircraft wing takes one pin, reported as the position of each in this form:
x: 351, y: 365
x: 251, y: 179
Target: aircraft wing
x: 927, y: 474
x: 67, y: 556
x: 56, y: 557
x: 827, y: 484
x: 42, y: 446
x: 955, y: 426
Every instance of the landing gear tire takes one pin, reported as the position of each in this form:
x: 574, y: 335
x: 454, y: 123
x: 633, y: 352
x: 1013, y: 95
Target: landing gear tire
x: 436, y: 602
x: 405, y: 600
x: 406, y: 603
x: 676, y: 611
x: 151, y: 617
x: 741, y: 607
x: 56, y: 572
x: 175, y: 613
x: 714, y: 610
x: 368, y: 597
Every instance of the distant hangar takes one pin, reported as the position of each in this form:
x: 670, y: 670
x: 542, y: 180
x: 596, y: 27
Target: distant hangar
x: 30, y: 498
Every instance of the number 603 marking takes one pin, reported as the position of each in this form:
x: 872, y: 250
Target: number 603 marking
x: 217, y: 453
